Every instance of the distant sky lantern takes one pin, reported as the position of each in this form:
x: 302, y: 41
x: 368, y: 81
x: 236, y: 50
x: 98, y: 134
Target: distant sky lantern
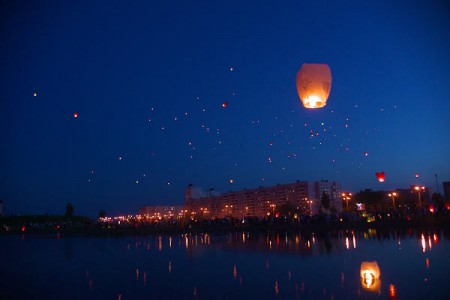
x: 380, y: 176
x: 75, y: 115
x: 417, y: 175
x: 225, y: 104
x: 314, y: 85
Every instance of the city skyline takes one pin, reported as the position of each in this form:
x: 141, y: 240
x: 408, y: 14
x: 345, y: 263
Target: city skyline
x: 117, y: 106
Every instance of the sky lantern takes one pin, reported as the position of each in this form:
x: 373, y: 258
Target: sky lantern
x: 75, y: 115
x: 380, y: 176
x: 225, y: 104
x: 370, y: 275
x: 314, y: 85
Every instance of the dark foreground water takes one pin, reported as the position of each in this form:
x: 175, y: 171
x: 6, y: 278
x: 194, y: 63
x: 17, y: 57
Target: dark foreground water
x: 413, y: 265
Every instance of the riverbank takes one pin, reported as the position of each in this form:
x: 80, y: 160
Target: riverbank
x: 79, y: 225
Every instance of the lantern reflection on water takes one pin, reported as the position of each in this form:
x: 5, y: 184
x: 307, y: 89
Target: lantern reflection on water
x: 370, y: 276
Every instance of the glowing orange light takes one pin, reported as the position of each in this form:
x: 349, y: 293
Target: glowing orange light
x: 225, y: 104
x: 370, y: 275
x: 314, y: 85
x: 75, y: 115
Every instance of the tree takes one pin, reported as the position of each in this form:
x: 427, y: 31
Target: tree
x: 102, y: 213
x: 325, y: 201
x: 438, y: 201
x: 287, y: 209
x: 69, y: 210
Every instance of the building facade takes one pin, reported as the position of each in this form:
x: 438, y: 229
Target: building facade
x: 261, y: 202
x: 332, y: 189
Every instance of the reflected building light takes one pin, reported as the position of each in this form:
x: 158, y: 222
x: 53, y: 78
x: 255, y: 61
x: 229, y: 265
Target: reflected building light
x: 309, y: 244
x: 137, y: 274
x: 347, y: 243
x: 119, y: 296
x: 342, y: 279
x: 267, y: 264
x: 354, y: 241
x: 145, y: 278
x: 289, y: 275
x: 297, y: 239
x: 186, y: 241
x: 429, y: 243
x: 313, y: 240
x: 277, y: 289
x: 243, y: 237
x: 170, y: 267
x: 427, y: 263
x: 90, y: 284
x: 435, y: 238
x: 194, y: 292
x: 234, y: 272
x: 270, y: 245
x: 170, y: 242
x: 423, y: 243
x: 160, y: 243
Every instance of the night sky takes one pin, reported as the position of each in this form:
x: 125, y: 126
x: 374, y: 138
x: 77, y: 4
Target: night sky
x: 147, y: 81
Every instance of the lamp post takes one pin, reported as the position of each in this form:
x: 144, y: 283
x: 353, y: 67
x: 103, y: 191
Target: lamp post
x: 393, y: 195
x: 273, y: 209
x: 419, y: 189
x: 310, y: 206
x: 346, y: 197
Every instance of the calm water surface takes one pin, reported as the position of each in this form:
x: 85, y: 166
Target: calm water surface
x: 413, y: 265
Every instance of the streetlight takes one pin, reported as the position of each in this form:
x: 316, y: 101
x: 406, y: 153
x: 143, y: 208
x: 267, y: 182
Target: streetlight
x: 273, y: 208
x: 346, y: 197
x: 419, y: 189
x: 393, y: 195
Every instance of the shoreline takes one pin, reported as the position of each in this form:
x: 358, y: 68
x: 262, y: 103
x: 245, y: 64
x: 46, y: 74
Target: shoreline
x: 85, y: 227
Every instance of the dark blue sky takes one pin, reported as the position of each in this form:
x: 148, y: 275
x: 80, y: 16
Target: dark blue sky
x: 148, y: 81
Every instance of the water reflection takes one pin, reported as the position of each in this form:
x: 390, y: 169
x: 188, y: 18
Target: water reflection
x: 239, y: 265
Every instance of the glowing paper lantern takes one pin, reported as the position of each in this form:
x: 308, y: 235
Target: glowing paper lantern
x: 370, y: 275
x: 75, y: 115
x: 380, y: 176
x: 225, y: 104
x: 314, y: 84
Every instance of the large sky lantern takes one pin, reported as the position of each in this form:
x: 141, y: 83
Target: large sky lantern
x: 370, y: 275
x: 314, y: 85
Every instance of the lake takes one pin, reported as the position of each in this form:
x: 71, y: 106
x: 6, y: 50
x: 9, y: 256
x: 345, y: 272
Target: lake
x: 242, y: 265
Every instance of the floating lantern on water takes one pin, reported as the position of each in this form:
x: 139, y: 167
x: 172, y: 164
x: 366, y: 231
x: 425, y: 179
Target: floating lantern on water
x: 370, y: 275
x: 314, y: 85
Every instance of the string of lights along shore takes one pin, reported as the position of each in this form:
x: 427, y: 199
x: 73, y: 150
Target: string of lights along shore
x: 123, y: 106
